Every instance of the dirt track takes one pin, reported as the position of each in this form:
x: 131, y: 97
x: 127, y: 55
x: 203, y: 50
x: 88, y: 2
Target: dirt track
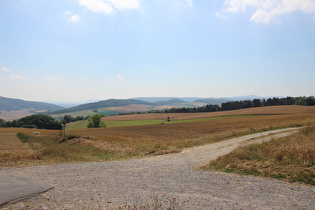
x: 111, y: 184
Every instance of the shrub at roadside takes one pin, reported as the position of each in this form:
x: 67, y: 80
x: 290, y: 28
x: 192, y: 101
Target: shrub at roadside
x: 291, y: 158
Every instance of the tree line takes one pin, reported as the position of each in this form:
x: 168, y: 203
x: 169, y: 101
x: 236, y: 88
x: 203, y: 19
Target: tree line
x: 47, y: 122
x: 234, y: 105
x: 34, y: 121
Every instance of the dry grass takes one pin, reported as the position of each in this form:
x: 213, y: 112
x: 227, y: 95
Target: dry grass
x: 13, y: 150
x: 135, y: 141
x: 291, y: 158
x: 268, y: 110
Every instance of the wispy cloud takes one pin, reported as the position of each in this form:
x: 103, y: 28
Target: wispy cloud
x: 97, y: 6
x: 5, y: 69
x: 109, y: 6
x: 125, y: 4
x: 119, y: 77
x: 74, y: 18
x: 266, y: 11
x: 17, y: 77
x: 50, y: 78
x: 190, y: 3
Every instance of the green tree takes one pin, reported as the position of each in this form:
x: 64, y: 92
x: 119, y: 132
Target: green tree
x: 95, y: 121
x: 37, y: 121
x: 310, y: 101
x: 2, y: 123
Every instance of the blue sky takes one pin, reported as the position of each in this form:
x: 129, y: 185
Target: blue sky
x: 80, y: 50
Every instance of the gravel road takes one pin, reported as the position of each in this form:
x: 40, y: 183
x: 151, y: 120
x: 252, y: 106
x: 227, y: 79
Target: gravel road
x: 112, y: 184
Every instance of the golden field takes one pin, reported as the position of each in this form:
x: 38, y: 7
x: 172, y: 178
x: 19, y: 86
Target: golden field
x: 101, y: 144
x: 290, y: 158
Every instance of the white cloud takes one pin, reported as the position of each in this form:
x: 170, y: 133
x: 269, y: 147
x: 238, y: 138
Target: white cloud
x: 119, y: 77
x: 265, y: 11
x: 125, y: 4
x: 74, y: 18
x: 18, y: 77
x: 5, y: 69
x: 109, y: 6
x: 97, y: 6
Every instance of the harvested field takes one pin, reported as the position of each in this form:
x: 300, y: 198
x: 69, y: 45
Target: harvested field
x: 268, y: 110
x: 101, y: 144
x: 165, y: 138
x: 13, y: 150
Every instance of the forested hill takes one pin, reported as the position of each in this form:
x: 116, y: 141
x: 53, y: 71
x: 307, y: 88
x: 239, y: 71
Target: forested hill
x: 172, y: 101
x: 103, y: 104
x: 10, y: 104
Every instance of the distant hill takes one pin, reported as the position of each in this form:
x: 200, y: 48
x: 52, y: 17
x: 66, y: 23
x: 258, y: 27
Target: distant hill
x: 213, y: 101
x: 10, y: 104
x: 157, y: 99
x: 219, y: 101
x: 172, y: 101
x: 148, y: 102
x: 102, y: 104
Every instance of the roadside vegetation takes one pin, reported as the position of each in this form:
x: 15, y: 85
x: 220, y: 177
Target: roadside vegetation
x: 290, y: 158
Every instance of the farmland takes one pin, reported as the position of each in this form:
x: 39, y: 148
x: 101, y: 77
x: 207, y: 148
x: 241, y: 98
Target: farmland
x: 152, y: 136
x: 154, y: 119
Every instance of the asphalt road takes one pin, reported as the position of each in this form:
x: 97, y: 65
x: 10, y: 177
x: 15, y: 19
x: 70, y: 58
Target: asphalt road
x: 15, y: 187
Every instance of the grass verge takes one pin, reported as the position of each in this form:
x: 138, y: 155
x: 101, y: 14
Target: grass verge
x: 56, y: 148
x: 290, y: 158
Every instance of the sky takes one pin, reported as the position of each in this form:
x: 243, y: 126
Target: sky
x: 81, y: 50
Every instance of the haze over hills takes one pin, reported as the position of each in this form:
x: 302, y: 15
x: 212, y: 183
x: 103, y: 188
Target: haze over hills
x: 11, y: 109
x: 149, y: 103
x: 17, y: 108
x: 10, y: 104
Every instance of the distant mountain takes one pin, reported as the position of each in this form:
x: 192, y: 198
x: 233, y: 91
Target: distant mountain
x: 242, y: 98
x: 102, y: 104
x: 172, y: 101
x: 219, y: 101
x: 154, y: 102
x: 10, y: 104
x: 157, y: 99
x: 213, y: 101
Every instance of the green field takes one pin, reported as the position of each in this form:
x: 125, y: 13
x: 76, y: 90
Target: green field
x: 125, y: 123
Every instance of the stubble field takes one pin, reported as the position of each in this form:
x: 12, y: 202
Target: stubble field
x: 114, y: 143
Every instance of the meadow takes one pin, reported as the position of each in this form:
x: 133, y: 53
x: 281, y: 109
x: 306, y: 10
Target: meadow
x: 139, y: 135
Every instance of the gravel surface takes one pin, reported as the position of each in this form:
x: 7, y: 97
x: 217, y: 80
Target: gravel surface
x: 112, y: 184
